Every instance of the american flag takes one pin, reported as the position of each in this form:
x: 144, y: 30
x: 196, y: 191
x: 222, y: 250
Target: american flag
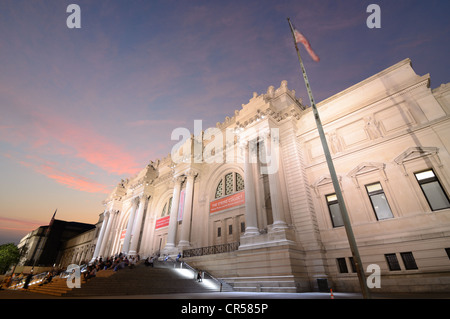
x: 300, y: 38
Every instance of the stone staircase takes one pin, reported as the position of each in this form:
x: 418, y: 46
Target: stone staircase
x: 163, y: 278
x: 57, y: 287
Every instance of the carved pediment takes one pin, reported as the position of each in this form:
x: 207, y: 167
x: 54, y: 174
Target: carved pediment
x: 367, y: 167
x: 413, y: 153
x: 323, y: 180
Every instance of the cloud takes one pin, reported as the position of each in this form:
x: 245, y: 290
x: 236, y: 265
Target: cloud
x: 171, y: 122
x: 73, y: 180
x: 40, y: 130
x: 64, y: 176
x: 16, y: 224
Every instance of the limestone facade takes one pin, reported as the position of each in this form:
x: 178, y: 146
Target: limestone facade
x: 259, y: 180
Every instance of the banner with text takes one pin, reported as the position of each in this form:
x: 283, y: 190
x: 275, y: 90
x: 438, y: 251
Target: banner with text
x: 227, y: 202
x: 162, y: 222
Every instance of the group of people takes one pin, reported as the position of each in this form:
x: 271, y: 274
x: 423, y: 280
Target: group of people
x: 27, y: 278
x: 115, y: 263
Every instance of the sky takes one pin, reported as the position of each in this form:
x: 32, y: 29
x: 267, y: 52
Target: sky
x: 82, y: 108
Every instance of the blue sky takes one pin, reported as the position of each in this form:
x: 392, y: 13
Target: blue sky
x: 83, y: 108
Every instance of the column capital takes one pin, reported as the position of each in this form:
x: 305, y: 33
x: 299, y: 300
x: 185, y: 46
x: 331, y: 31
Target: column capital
x: 178, y: 179
x: 191, y: 173
x: 142, y: 197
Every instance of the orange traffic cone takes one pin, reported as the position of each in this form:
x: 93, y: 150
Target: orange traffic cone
x: 331, y: 291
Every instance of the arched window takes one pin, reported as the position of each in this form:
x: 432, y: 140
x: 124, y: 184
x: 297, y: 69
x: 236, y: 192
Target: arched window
x: 229, y: 184
x: 167, y: 208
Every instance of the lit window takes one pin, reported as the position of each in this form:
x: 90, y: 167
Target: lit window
x: 219, y: 189
x: 432, y: 189
x: 335, y: 211
x: 167, y: 208
x: 379, y: 202
x: 239, y: 182
x: 229, y: 184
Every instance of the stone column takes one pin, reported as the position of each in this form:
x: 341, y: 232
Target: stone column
x: 106, y: 235
x: 137, y: 226
x: 272, y: 153
x: 187, y: 211
x: 126, y: 241
x: 100, y: 236
x: 174, y: 213
x: 251, y: 222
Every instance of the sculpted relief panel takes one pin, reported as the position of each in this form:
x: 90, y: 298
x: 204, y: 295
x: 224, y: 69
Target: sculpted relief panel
x: 387, y: 121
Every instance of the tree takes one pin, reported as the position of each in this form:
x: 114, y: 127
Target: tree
x: 9, y: 255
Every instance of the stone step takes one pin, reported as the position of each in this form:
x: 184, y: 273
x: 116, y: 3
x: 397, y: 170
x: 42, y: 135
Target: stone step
x: 57, y: 287
x: 142, y: 280
x: 263, y: 284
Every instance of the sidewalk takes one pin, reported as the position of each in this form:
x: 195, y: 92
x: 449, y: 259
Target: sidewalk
x: 20, y: 294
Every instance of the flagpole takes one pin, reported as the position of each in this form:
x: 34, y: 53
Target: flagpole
x: 337, y: 188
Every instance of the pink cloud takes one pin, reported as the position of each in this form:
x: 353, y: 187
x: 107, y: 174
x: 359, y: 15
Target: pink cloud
x: 72, y: 180
x: 63, y: 176
x: 53, y: 134
x: 16, y: 224
x: 90, y: 146
x: 171, y: 122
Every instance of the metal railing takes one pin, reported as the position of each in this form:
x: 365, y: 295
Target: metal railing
x: 182, y: 264
x: 222, y: 284
x: 211, y: 250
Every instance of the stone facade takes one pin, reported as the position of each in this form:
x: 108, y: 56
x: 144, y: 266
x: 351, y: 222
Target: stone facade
x: 260, y: 179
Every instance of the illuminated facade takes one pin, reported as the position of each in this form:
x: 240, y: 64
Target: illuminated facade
x: 255, y: 194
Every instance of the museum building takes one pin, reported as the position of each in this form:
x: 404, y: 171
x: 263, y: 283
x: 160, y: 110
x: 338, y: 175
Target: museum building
x: 251, y: 200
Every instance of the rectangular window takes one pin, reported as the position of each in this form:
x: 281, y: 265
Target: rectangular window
x: 379, y: 201
x: 243, y: 227
x: 432, y: 189
x: 230, y: 229
x: 447, y: 250
x: 335, y: 211
x: 392, y: 262
x: 352, y: 262
x: 408, y: 260
x: 219, y: 231
x: 342, y: 264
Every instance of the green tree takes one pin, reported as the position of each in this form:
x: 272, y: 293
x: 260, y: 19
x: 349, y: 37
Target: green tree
x: 9, y: 255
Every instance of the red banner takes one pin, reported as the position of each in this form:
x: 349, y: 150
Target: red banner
x: 122, y: 235
x: 162, y: 222
x: 227, y: 202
